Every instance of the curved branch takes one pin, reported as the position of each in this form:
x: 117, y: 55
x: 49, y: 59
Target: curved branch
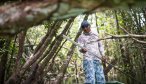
x: 18, y: 16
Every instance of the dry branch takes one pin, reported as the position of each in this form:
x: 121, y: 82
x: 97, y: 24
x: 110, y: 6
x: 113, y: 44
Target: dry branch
x: 122, y: 36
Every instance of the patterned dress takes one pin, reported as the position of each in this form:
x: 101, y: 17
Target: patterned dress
x: 91, y: 63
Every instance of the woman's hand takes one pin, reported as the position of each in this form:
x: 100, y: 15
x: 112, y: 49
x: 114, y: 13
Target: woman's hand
x: 83, y: 50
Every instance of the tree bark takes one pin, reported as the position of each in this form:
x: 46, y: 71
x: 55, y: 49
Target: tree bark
x: 40, y: 51
x: 60, y: 76
x: 21, y: 39
x: 15, y: 16
x: 33, y: 58
x: 9, y: 71
x: 109, y: 67
x: 4, y: 59
x: 36, y: 64
x: 45, y: 61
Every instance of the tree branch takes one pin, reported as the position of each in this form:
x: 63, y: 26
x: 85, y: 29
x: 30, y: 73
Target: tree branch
x: 139, y: 41
x: 15, y: 17
x: 18, y: 16
x: 122, y: 36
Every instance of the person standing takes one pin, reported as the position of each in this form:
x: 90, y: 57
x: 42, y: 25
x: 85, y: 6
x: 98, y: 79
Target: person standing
x: 92, y: 65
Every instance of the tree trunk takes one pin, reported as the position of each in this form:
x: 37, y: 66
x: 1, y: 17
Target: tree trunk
x: 109, y: 67
x: 4, y: 59
x: 60, y: 76
x: 121, y: 46
x: 36, y: 64
x: 21, y: 39
x: 33, y: 58
x: 45, y: 61
x: 50, y: 65
x: 39, y: 52
x: 9, y: 71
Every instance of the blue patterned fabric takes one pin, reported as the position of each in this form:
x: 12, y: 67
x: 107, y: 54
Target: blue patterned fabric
x: 93, y: 72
